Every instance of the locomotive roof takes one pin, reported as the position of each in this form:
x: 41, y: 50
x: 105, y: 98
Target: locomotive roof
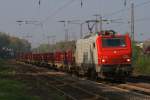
x: 107, y: 36
x: 116, y: 35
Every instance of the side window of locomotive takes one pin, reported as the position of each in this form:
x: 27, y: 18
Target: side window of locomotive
x: 113, y: 42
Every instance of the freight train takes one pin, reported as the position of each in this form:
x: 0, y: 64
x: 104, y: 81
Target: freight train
x: 105, y: 55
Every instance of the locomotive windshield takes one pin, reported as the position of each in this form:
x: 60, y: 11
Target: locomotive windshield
x: 113, y: 42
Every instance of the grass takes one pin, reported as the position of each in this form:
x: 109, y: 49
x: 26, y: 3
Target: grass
x: 14, y: 90
x: 23, y: 89
x: 142, y: 65
x: 11, y: 89
x: 55, y: 96
x: 5, y: 69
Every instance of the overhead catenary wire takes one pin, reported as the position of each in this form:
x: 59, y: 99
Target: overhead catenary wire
x: 121, y: 10
x: 50, y: 17
x: 58, y: 10
x: 71, y: 1
x: 137, y: 21
x: 53, y: 14
x: 143, y: 19
x: 132, y: 17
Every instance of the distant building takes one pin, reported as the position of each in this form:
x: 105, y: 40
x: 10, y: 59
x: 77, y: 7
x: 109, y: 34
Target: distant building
x: 140, y: 44
x: 146, y: 46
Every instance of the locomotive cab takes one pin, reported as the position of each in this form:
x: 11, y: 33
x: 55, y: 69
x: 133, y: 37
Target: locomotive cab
x: 114, y: 55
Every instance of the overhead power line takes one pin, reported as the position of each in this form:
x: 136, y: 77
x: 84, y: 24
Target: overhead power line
x: 58, y: 10
x: 136, y: 20
x: 143, y: 19
x: 121, y: 10
x: 54, y: 13
x: 71, y: 1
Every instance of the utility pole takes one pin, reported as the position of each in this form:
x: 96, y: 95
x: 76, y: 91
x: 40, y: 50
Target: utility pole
x: 96, y: 22
x: 66, y: 35
x: 65, y: 29
x: 48, y: 41
x: 101, y: 23
x: 20, y: 23
x: 81, y: 30
x: 53, y: 40
x: 132, y: 21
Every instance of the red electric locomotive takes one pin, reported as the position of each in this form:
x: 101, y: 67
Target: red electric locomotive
x: 106, y: 55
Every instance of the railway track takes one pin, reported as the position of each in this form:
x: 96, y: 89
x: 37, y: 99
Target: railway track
x: 135, y: 88
x: 74, y: 88
x: 100, y: 91
x: 66, y: 87
x: 140, y: 88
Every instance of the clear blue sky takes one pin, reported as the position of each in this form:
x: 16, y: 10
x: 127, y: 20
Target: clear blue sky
x: 52, y: 11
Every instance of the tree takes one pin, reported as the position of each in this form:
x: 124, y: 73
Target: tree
x: 12, y: 45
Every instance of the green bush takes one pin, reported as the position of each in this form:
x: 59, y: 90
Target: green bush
x: 141, y: 62
x: 142, y: 65
x: 135, y: 52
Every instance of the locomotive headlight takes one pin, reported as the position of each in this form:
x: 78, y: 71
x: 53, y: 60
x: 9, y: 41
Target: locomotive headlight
x: 128, y: 60
x: 103, y: 60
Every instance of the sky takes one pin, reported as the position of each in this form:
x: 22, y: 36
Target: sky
x: 43, y: 20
